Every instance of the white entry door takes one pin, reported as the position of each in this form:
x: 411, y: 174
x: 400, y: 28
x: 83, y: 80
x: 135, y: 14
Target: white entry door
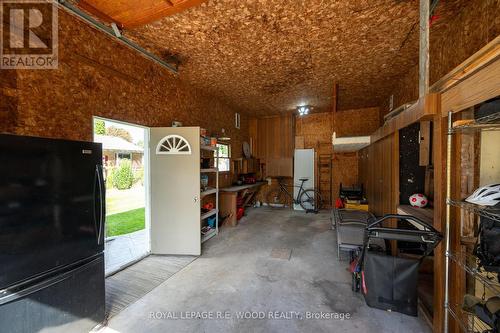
x: 175, y: 190
x: 303, y: 167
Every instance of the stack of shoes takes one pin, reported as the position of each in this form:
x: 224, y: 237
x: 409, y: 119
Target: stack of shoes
x: 488, y: 311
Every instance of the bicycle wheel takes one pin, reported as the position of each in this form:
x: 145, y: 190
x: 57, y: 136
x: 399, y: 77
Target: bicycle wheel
x: 310, y: 200
x: 276, y: 198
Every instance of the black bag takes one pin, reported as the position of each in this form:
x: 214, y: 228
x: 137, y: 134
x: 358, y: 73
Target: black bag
x: 390, y: 283
x: 487, y: 248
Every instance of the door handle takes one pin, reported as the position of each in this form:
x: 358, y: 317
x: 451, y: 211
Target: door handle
x: 96, y: 180
x: 195, y: 199
x: 100, y: 182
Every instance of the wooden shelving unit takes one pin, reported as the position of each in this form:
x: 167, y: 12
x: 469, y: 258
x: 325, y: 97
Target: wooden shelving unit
x: 211, y: 170
x: 210, y: 191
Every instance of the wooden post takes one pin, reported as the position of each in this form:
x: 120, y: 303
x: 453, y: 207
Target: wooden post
x: 423, y: 77
x: 439, y: 152
x: 334, y: 114
x: 334, y: 104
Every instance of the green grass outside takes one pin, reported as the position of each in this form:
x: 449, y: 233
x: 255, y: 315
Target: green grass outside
x: 118, y: 201
x: 126, y: 222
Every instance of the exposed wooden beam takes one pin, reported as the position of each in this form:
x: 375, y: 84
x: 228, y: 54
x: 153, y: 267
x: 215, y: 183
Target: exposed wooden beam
x: 132, y: 13
x: 334, y: 104
x: 335, y: 98
x: 155, y: 14
x: 423, y: 77
x: 98, y: 14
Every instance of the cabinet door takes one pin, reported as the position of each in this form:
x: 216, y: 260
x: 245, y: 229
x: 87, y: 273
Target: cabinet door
x: 72, y: 301
x: 175, y: 190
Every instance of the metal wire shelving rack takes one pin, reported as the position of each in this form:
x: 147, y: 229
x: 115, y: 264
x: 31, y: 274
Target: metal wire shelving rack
x: 467, y: 321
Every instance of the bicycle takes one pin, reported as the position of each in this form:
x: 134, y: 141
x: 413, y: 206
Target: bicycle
x: 308, y: 199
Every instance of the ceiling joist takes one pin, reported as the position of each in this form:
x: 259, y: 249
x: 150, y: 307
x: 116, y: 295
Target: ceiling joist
x: 131, y: 13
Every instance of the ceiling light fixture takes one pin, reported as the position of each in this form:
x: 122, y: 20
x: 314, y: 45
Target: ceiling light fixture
x: 303, y: 110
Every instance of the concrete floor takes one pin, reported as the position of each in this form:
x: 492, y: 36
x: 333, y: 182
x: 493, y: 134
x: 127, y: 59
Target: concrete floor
x: 246, y: 268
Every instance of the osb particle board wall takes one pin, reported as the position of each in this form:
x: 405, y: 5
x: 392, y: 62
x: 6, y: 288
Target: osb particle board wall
x: 8, y: 98
x: 316, y: 131
x: 98, y: 76
x: 317, y: 127
x: 453, y: 38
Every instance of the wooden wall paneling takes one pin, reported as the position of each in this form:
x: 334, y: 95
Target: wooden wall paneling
x: 370, y: 177
x: 379, y: 174
x: 373, y: 180
x: 363, y: 171
x: 274, y: 141
x: 363, y: 176
x: 378, y: 171
x: 393, y: 199
x: 388, y: 190
x: 252, y: 134
x: 375, y: 163
x: 395, y: 173
x: 425, y: 143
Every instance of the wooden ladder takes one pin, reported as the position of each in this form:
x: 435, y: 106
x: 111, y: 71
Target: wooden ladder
x: 325, y: 174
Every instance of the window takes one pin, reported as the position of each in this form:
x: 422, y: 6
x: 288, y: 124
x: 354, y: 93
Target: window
x: 237, y: 120
x: 173, y: 145
x: 123, y: 156
x: 224, y: 162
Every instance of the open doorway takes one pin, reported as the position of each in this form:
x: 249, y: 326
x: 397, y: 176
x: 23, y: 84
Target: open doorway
x: 125, y: 167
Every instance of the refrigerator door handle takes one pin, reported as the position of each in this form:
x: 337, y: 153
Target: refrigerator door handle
x: 100, y: 183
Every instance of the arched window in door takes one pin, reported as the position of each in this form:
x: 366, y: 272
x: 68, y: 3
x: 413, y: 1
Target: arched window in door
x: 173, y: 145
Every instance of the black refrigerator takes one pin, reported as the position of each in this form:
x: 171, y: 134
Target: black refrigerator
x: 52, y: 215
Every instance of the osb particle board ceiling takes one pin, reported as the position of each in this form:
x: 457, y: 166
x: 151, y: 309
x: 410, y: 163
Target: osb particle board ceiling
x: 268, y: 56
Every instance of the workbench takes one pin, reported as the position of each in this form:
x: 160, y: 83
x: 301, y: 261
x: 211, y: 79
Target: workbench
x: 228, y: 195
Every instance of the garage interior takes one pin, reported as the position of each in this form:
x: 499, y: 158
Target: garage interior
x: 365, y: 104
